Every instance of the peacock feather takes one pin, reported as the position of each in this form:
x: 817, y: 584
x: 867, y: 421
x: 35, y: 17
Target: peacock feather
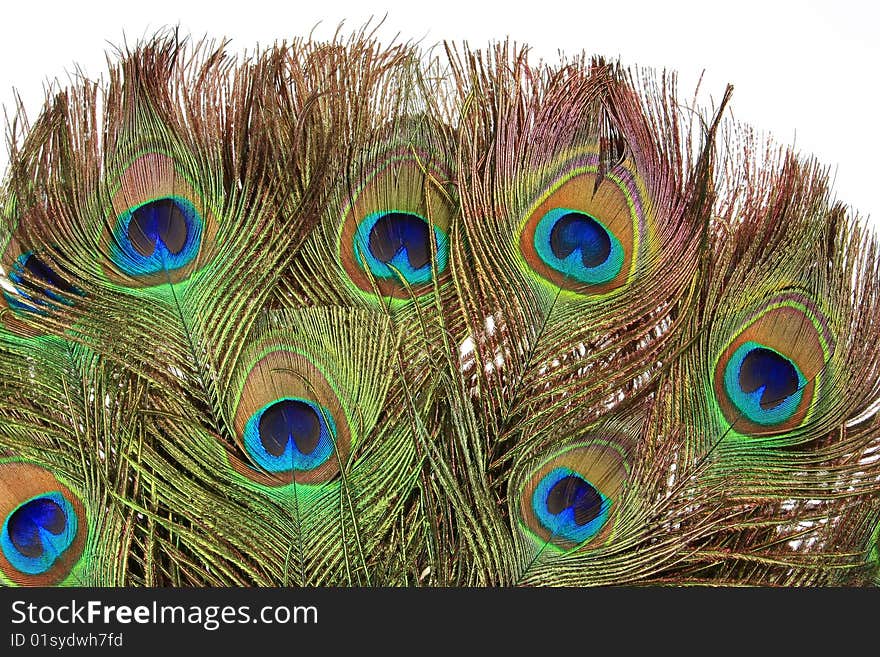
x: 341, y: 313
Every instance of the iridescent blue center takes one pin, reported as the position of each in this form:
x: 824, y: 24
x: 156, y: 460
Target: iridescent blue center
x: 396, y: 244
x: 763, y: 384
x: 38, y: 532
x: 162, y: 234
x: 569, y: 506
x: 290, y: 434
x: 578, y: 246
x: 582, y: 233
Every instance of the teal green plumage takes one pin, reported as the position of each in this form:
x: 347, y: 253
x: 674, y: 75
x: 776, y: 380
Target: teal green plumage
x: 341, y: 313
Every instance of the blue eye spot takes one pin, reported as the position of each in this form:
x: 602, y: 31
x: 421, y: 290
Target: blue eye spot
x: 290, y: 434
x: 764, y: 385
x: 394, y: 244
x: 569, y: 506
x: 37, y: 533
x: 578, y: 246
x: 580, y: 232
x: 162, y: 234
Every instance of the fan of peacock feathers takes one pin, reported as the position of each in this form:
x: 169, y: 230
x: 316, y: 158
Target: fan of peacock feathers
x: 345, y: 313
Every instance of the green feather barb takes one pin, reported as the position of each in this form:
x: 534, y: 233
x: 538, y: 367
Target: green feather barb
x: 352, y: 314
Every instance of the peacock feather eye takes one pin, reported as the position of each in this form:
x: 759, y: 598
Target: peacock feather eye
x: 584, y: 232
x: 395, y: 231
x: 161, y: 234
x: 38, y: 532
x: 160, y: 227
x: 578, y: 246
x: 43, y: 530
x: 395, y: 246
x: 35, y: 283
x: 290, y: 434
x: 569, y: 500
x: 763, y: 384
x: 766, y: 378
x: 305, y: 389
x: 289, y: 420
x: 568, y: 506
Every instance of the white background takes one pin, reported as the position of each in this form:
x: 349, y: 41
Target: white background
x: 804, y: 71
